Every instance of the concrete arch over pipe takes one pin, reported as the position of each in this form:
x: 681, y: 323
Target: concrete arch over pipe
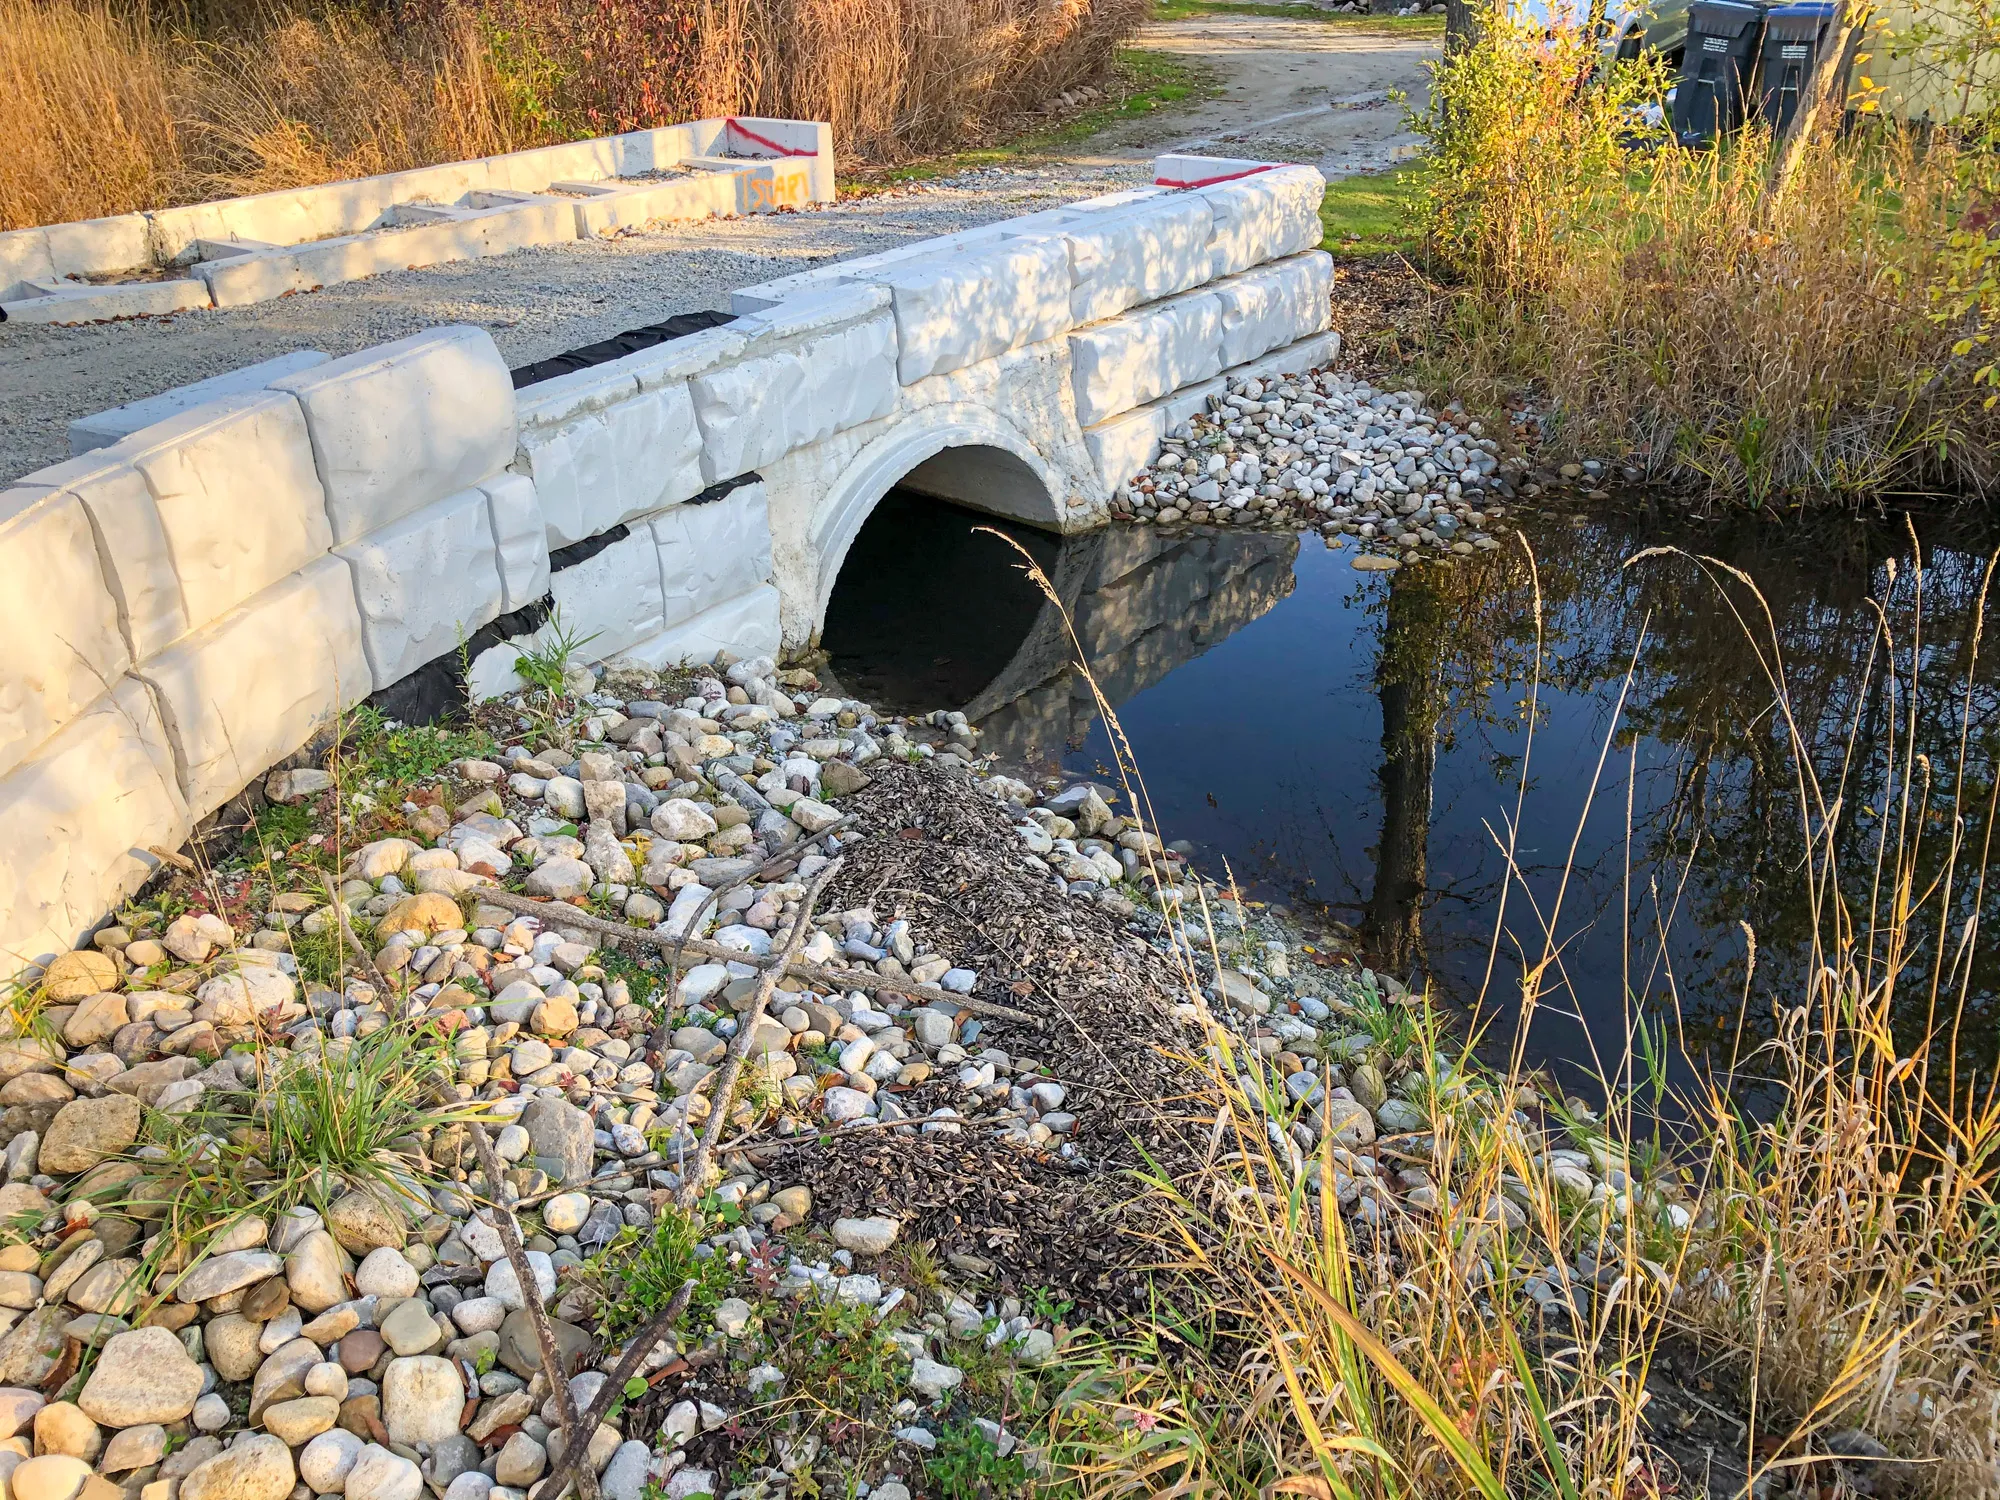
x: 962, y: 452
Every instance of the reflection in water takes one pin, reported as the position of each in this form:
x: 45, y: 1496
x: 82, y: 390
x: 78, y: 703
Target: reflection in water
x: 1357, y: 743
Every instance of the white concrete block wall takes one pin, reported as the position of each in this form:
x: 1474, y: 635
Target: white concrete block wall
x: 1130, y: 360
x: 259, y: 682
x: 425, y: 583
x: 239, y: 500
x: 1138, y: 254
x: 1263, y: 217
x: 614, y: 596
x: 956, y: 310
x: 710, y: 553
x: 520, y: 540
x: 300, y: 238
x: 79, y: 821
x: 64, y: 648
x: 746, y: 624
x: 397, y: 427
x: 1275, y: 305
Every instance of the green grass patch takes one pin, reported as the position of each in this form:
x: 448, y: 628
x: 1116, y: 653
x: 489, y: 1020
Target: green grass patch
x: 1146, y: 81
x: 1194, y: 10
x: 1371, y: 215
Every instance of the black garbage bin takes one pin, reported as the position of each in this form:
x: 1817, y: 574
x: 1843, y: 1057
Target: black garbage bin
x: 1793, y: 37
x: 1722, y: 39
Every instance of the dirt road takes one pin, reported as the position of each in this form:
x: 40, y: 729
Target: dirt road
x: 1305, y: 90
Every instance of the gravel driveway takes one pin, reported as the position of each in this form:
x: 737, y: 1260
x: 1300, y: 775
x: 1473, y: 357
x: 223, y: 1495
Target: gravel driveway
x: 1303, y: 90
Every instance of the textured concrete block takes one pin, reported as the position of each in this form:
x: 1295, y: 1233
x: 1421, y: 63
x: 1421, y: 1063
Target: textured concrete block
x: 261, y: 275
x: 90, y: 247
x: 425, y: 583
x: 397, y: 427
x: 254, y: 686
x: 132, y: 550
x: 618, y: 459
x: 79, y: 821
x: 239, y: 500
x: 746, y: 625
x: 1138, y: 254
x: 614, y: 595
x: 1130, y: 360
x: 24, y: 257
x: 520, y: 540
x: 101, y: 429
x: 748, y: 412
x: 1123, y: 445
x: 850, y: 378
x: 953, y: 310
x: 57, y: 618
x: 1265, y: 217
x: 711, y: 553
x: 1275, y: 305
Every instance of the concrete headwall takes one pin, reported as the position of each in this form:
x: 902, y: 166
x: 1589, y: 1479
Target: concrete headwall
x: 188, y: 605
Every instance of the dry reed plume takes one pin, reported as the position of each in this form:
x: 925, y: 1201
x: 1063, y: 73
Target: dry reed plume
x: 108, y: 108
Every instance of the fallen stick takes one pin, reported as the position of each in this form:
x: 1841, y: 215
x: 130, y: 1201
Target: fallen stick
x: 746, y: 1032
x: 531, y: 1300
x: 715, y: 896
x: 628, y: 1366
x: 829, y: 978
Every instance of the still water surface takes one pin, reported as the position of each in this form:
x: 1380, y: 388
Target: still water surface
x: 1356, y: 744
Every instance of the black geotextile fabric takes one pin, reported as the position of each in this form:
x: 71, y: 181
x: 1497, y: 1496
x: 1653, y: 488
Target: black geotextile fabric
x: 631, y: 341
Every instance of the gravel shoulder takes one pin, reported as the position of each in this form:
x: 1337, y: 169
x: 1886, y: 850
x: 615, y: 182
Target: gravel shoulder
x: 1304, y: 90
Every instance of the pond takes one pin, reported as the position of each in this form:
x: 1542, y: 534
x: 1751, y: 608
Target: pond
x: 1358, y: 746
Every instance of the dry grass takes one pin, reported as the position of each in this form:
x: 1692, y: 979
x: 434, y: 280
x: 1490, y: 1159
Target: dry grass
x: 107, y: 109
x: 1836, y: 1258
x: 87, y: 111
x: 1808, y: 343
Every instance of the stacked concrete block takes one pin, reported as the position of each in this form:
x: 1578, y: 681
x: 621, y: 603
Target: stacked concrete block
x: 1130, y: 360
x: 425, y: 583
x: 811, y: 366
x: 1261, y: 217
x: 1275, y: 305
x: 397, y: 427
x: 243, y: 250
x: 238, y: 499
x: 956, y: 310
x: 1138, y: 254
x: 613, y: 597
x: 81, y: 820
x: 520, y: 540
x: 104, y: 428
x: 746, y: 624
x: 602, y: 450
x: 256, y: 684
x: 709, y: 554
x: 64, y: 647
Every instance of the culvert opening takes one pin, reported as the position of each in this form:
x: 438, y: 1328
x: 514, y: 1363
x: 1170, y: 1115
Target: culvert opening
x: 927, y: 610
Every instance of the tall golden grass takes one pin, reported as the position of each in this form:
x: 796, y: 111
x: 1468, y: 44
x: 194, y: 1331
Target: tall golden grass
x: 109, y: 107
x: 1817, y: 342
x: 1834, y: 1258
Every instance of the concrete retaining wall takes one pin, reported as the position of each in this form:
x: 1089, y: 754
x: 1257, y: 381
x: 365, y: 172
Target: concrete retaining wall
x: 244, y: 250
x: 188, y: 604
